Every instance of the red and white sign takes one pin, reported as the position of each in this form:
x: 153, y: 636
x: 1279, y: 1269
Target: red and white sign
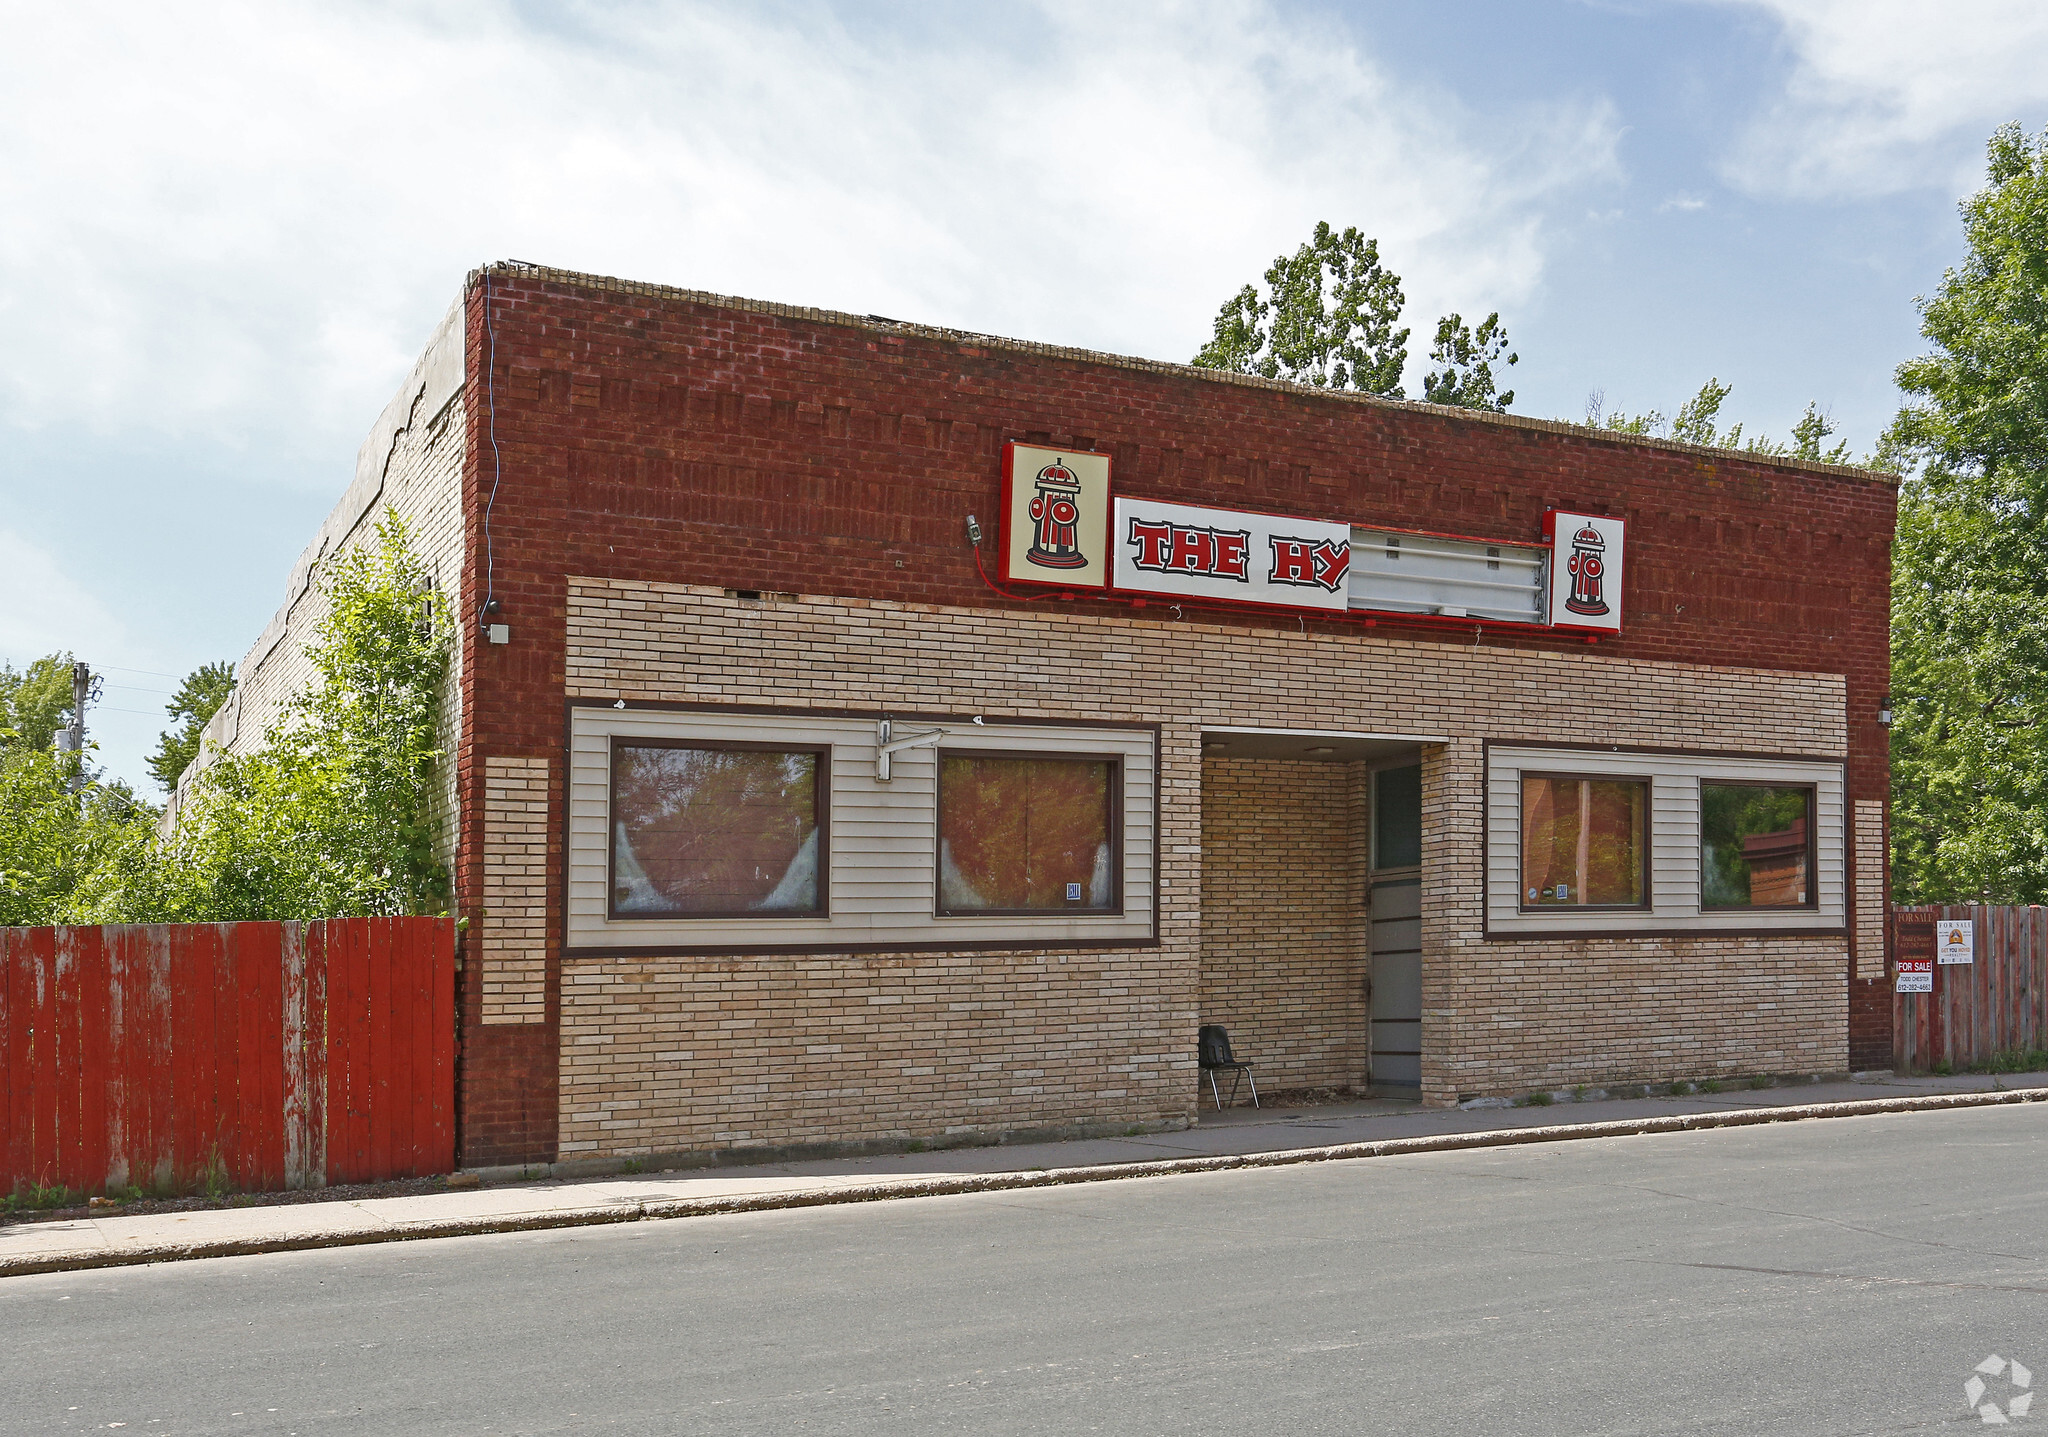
x: 1585, y: 570
x: 1915, y: 975
x: 1055, y: 516
x: 1229, y: 555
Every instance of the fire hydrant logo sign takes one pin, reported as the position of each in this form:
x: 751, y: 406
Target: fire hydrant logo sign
x: 1585, y: 570
x: 1056, y: 516
x: 1231, y: 555
x: 1999, y: 1390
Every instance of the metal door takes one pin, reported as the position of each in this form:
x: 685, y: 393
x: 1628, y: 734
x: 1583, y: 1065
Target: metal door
x: 1397, y: 982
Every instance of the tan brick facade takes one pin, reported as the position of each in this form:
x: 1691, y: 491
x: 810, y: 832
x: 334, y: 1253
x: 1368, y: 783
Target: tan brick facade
x: 513, y: 950
x: 1871, y: 900
x: 672, y: 1053
x: 1284, y: 957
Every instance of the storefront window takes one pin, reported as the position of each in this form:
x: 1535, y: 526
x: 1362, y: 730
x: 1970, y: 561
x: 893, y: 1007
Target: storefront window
x: 1583, y: 842
x: 707, y: 831
x: 1026, y: 834
x: 1755, y: 846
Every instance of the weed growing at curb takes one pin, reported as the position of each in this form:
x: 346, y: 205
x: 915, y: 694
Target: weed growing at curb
x: 35, y: 1197
x: 1711, y: 1085
x: 1761, y: 1080
x: 215, y: 1182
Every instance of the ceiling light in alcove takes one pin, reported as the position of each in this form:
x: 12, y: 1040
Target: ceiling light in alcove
x: 1320, y: 751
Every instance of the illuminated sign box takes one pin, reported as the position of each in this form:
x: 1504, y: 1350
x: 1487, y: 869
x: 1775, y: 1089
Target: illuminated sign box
x: 1055, y: 516
x: 1063, y: 526
x: 1408, y: 573
x: 1229, y: 555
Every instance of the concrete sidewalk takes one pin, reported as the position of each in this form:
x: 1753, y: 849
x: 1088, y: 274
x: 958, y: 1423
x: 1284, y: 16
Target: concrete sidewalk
x: 1235, y: 1138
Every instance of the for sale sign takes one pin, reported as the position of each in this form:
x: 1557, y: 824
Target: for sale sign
x: 1954, y: 941
x: 1913, y: 943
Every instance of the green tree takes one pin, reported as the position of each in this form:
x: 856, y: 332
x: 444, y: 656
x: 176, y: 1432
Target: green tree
x: 35, y: 702
x: 1698, y: 422
x: 198, y: 699
x: 1970, y: 565
x: 1326, y: 318
x: 53, y: 839
x: 333, y: 815
x: 1468, y: 356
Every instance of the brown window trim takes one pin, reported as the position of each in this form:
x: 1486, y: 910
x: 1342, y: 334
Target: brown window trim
x: 1522, y: 908
x: 1116, y: 833
x: 1812, y: 902
x: 821, y: 805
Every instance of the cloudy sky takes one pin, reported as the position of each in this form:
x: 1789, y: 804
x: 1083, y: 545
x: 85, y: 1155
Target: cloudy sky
x: 226, y: 229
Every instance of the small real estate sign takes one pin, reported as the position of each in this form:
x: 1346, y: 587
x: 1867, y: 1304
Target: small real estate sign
x: 1954, y: 940
x: 1913, y: 947
x: 1229, y: 555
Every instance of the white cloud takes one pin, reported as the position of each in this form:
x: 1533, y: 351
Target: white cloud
x: 44, y: 610
x: 237, y: 222
x: 1685, y: 204
x: 1889, y: 95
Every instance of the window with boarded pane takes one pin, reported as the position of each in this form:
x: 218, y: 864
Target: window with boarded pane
x: 717, y: 831
x: 1756, y: 845
x: 1027, y: 834
x: 1584, y: 842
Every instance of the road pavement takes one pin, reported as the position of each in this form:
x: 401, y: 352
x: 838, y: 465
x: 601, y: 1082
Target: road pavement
x: 1826, y: 1277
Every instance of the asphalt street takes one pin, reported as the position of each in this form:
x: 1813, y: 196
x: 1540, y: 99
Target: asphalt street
x: 1828, y: 1277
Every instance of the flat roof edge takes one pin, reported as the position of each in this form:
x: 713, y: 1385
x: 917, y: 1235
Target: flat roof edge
x: 879, y: 324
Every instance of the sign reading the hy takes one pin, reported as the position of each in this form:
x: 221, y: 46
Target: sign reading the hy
x: 1062, y: 526
x: 1229, y: 555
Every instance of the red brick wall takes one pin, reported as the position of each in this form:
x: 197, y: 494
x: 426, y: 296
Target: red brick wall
x: 660, y: 436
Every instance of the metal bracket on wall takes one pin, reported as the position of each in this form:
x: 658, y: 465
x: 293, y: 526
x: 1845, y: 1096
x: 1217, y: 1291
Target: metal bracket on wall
x: 887, y: 746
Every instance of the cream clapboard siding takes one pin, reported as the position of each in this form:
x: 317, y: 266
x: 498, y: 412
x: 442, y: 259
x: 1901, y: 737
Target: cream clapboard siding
x: 883, y: 837
x: 1674, y: 841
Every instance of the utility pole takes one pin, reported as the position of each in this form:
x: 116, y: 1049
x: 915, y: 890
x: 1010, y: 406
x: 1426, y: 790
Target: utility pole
x: 84, y: 689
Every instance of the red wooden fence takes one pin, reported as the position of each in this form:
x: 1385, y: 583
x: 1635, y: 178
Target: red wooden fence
x: 1996, y: 1004
x: 274, y: 1055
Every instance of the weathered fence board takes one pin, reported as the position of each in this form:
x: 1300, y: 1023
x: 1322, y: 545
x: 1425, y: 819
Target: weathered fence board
x: 265, y: 1055
x: 1996, y: 1005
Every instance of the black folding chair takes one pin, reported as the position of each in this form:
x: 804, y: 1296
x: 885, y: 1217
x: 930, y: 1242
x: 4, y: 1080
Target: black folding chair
x: 1213, y: 1048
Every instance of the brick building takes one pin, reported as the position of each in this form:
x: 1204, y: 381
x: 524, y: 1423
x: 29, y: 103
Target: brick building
x: 1441, y: 752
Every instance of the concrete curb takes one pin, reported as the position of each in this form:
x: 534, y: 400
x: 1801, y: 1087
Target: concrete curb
x: 1004, y: 1182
